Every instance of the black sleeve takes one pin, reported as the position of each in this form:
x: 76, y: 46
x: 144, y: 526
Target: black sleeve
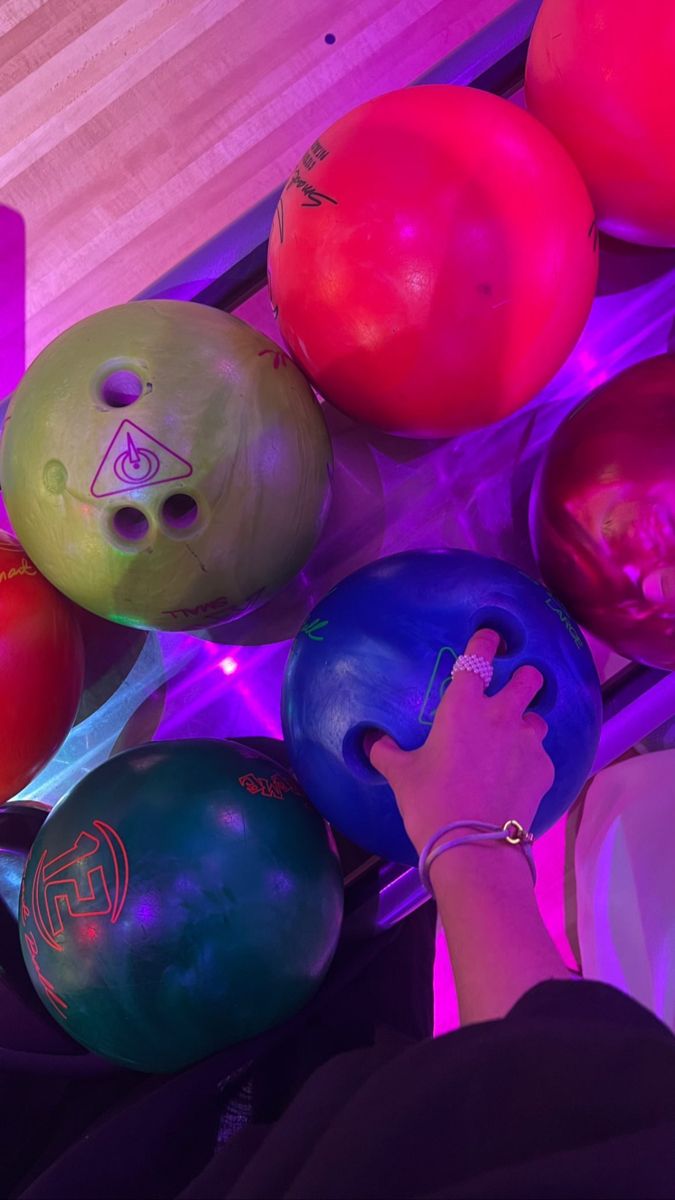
x: 571, y: 1095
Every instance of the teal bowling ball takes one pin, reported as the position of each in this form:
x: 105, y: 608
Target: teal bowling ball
x: 182, y: 897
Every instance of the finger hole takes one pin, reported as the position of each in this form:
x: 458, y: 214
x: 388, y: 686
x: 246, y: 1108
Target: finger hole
x: 545, y: 699
x: 369, y: 739
x: 356, y: 747
x: 506, y: 624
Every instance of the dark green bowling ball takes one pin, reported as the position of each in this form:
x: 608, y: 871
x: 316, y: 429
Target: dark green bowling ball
x: 182, y: 897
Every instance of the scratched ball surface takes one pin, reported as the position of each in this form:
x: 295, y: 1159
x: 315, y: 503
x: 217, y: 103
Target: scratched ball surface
x: 603, y: 512
x: 41, y: 668
x: 165, y: 465
x: 184, y: 896
x: 433, y: 260
x: 377, y: 654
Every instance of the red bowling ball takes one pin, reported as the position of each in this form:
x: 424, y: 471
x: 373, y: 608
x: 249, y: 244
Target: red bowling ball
x: 41, y: 668
x: 603, y: 513
x: 433, y: 260
x: 601, y: 75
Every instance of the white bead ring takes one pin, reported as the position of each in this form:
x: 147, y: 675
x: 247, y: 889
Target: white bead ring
x: 476, y: 665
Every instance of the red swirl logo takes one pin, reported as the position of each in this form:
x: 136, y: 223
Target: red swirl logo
x: 60, y: 892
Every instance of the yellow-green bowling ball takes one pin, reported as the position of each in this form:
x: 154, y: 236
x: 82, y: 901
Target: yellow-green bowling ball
x: 165, y: 465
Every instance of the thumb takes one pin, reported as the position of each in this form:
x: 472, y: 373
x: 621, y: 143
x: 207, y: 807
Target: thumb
x: 385, y: 755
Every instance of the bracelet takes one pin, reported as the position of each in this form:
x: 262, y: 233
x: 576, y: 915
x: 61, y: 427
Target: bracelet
x: 511, y: 831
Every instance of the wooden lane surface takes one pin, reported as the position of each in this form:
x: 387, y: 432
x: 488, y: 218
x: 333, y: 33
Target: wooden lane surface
x: 131, y: 131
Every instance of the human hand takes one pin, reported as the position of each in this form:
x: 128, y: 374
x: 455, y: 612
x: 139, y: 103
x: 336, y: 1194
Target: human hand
x: 483, y: 760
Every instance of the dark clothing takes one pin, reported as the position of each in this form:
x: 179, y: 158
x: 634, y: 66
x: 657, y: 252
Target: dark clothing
x: 571, y: 1095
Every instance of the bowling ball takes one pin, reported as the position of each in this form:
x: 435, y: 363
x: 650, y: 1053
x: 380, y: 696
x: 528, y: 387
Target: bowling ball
x: 19, y: 826
x: 600, y: 76
x: 377, y: 654
x: 602, y: 513
x: 182, y: 897
x: 24, y: 1024
x: 41, y: 668
x: 433, y: 260
x: 166, y: 465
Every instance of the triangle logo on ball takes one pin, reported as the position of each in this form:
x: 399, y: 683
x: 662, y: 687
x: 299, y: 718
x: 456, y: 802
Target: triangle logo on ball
x: 135, y: 459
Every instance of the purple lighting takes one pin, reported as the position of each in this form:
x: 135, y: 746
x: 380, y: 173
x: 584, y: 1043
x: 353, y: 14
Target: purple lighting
x: 147, y: 910
x: 228, y: 665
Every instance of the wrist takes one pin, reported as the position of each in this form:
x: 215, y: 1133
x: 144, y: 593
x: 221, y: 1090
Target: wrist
x: 485, y: 868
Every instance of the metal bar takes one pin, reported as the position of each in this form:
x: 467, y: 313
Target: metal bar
x: 640, y: 700
x: 494, y: 59
x: 230, y: 267
x: 226, y: 269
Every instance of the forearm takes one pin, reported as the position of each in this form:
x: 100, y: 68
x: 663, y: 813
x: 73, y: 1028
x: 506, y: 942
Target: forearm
x: 498, y: 944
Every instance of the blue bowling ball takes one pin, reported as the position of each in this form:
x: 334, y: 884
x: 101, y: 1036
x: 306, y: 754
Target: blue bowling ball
x: 376, y: 654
